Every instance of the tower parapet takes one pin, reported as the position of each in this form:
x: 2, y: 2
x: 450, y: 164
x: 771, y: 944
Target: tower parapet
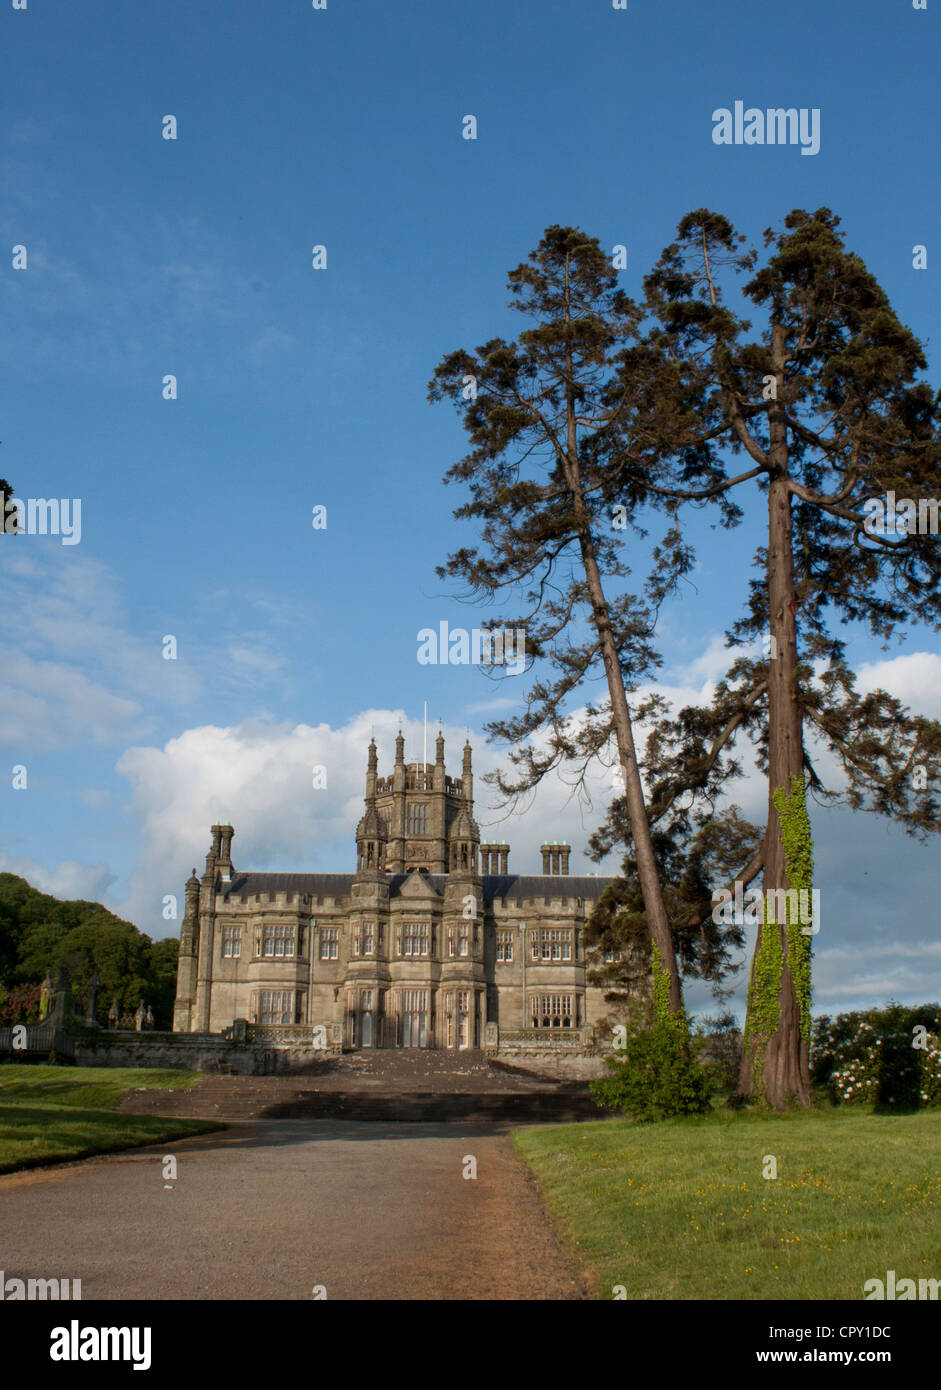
x: 419, y: 817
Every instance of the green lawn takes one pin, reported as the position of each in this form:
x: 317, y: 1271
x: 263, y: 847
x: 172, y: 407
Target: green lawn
x: 680, y: 1209
x: 48, y: 1114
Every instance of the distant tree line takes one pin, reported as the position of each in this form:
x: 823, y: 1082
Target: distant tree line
x: 38, y: 933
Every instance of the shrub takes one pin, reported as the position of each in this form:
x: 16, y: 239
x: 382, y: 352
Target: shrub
x: 658, y: 1074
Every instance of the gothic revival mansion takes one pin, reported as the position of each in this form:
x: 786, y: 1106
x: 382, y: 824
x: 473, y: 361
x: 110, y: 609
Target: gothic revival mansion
x: 432, y: 942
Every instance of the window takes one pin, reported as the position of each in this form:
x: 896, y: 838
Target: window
x: 552, y: 1010
x: 414, y: 940
x: 231, y: 942
x: 464, y: 939
x: 365, y: 1000
x: 550, y: 943
x: 417, y: 823
x: 329, y: 943
x: 504, y: 945
x: 275, y: 1006
x: 277, y: 941
x: 462, y: 998
x: 363, y: 939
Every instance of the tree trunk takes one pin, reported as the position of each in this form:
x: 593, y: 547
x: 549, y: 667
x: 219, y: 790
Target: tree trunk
x: 647, y: 872
x: 775, y: 1065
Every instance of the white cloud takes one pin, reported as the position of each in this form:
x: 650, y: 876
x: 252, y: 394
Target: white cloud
x: 76, y: 672
x: 915, y: 679
x: 46, y: 704
x: 68, y: 879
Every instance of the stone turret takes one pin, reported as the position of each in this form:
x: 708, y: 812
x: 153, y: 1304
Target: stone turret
x: 186, y: 964
x: 419, y: 818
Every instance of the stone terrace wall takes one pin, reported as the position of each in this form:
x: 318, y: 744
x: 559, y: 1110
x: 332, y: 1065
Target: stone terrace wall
x: 555, y: 1064
x: 195, y: 1052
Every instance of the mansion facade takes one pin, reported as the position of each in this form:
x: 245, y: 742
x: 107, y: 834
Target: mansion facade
x: 428, y: 942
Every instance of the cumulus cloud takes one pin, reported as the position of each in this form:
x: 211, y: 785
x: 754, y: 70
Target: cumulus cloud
x: 915, y: 679
x: 68, y: 879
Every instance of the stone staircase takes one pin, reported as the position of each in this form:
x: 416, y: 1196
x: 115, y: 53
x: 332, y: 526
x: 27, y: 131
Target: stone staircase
x: 404, y: 1085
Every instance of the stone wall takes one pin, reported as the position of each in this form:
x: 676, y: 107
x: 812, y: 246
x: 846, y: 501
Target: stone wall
x: 195, y: 1052
x: 554, y: 1064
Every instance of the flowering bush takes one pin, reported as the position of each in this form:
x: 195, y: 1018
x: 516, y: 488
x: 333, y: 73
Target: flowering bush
x: 19, y: 1005
x: 887, y: 1057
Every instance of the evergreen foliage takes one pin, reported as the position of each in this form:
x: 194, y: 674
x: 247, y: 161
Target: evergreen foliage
x: 39, y: 932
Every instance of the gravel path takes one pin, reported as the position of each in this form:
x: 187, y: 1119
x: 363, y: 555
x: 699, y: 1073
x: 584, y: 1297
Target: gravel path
x: 270, y: 1209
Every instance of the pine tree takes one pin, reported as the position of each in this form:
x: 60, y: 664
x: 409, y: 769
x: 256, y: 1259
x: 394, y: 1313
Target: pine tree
x: 539, y: 476
x: 828, y: 407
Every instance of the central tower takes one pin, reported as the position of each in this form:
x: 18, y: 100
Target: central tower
x: 419, y: 818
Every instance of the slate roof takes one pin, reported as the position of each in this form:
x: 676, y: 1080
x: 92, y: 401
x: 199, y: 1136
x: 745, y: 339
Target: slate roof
x: 509, y: 886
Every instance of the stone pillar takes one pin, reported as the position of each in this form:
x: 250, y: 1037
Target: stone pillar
x: 467, y: 779
x: 439, y: 769
x: 372, y: 769
x: 62, y: 999
x: 186, y: 965
x: 94, y: 985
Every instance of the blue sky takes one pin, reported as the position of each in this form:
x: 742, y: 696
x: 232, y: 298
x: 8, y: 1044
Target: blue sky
x: 297, y: 387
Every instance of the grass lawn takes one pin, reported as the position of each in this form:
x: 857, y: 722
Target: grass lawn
x: 49, y: 1114
x: 680, y: 1209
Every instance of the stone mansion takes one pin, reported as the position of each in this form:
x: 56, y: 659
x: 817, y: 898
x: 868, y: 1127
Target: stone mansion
x: 432, y: 942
